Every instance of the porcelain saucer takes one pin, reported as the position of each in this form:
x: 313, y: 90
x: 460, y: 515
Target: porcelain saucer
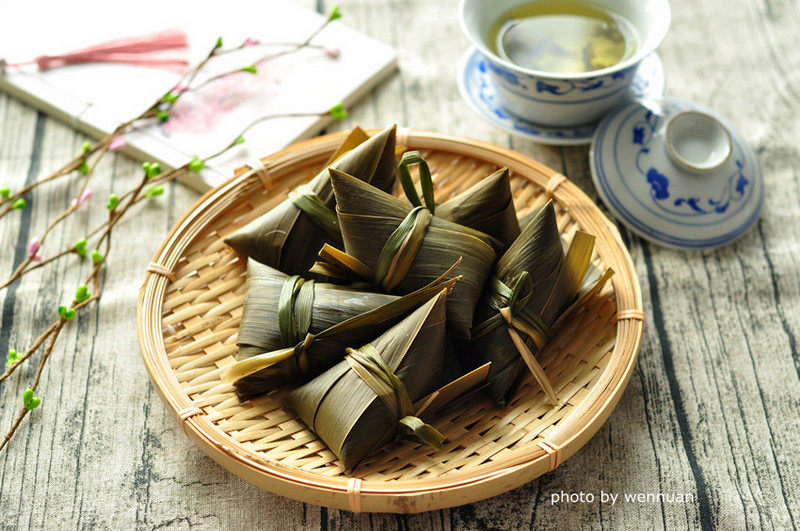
x: 479, y: 93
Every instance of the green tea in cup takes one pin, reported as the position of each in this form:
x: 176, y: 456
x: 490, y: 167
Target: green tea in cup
x: 562, y: 37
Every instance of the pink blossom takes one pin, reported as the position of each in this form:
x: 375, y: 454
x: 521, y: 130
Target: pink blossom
x: 333, y: 53
x: 250, y: 41
x: 33, y: 248
x: 37, y: 257
x: 85, y: 196
x: 180, y: 88
x: 117, y: 144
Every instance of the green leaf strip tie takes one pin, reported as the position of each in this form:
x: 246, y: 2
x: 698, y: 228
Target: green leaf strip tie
x: 425, y: 180
x: 400, y: 249
x: 295, y: 306
x: 367, y: 363
x: 309, y: 202
x: 514, y: 299
x: 510, y: 304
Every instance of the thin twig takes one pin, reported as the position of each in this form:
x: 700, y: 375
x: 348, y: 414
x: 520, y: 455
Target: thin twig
x: 28, y: 265
x: 127, y: 201
x: 24, y: 411
x: 268, y: 57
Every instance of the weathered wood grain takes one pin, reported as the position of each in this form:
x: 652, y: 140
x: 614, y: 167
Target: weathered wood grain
x: 712, y: 409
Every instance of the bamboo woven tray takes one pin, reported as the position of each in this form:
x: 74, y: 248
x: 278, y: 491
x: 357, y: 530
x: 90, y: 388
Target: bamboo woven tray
x: 191, y: 303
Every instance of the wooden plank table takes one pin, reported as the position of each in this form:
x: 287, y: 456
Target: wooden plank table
x: 711, y: 411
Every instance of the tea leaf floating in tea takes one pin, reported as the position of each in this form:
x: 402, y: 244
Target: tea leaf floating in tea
x: 401, y: 247
x: 360, y: 402
x: 533, y: 286
x: 289, y: 236
x: 487, y: 206
x: 563, y: 37
x: 313, y: 324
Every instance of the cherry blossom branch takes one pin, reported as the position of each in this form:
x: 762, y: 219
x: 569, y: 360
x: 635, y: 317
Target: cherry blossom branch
x: 150, y: 185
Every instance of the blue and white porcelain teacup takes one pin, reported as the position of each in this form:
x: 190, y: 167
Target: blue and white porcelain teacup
x: 564, y: 100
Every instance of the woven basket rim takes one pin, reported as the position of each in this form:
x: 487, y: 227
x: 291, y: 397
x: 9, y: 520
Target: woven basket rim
x: 572, y: 432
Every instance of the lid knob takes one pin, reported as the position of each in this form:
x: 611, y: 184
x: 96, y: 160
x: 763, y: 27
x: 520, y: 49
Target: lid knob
x: 697, y: 141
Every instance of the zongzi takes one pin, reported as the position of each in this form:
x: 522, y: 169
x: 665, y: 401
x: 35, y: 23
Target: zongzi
x: 362, y: 401
x: 289, y: 236
x: 532, y: 285
x: 405, y: 247
x: 487, y: 206
x: 293, y: 328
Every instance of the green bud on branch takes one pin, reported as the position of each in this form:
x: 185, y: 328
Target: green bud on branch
x: 218, y: 44
x: 96, y: 257
x: 84, y: 168
x: 19, y: 204
x: 29, y: 401
x: 13, y: 356
x: 334, y: 13
x: 162, y: 115
x: 151, y: 169
x: 5, y: 193
x: 154, y: 191
x: 171, y: 97
x: 196, y: 164
x: 66, y: 313
x: 82, y: 294
x: 86, y: 146
x: 80, y: 247
x: 239, y: 140
x: 338, y: 112
x: 250, y: 68
x: 113, y: 201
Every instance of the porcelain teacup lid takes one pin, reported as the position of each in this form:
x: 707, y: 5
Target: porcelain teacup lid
x: 677, y: 173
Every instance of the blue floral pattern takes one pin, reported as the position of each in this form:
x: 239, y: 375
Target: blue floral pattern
x: 734, y: 190
x: 659, y: 183
x: 481, y: 93
x: 558, y: 87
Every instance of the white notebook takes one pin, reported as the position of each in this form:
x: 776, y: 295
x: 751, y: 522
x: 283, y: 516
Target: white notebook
x: 95, y: 98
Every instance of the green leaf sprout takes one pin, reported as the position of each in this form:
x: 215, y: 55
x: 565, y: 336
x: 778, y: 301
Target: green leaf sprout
x: 113, y: 201
x: 154, y: 191
x: 29, y: 401
x: 151, y: 169
x: 68, y: 314
x: 80, y: 247
x: 196, y: 164
x: 13, y: 356
x: 338, y: 112
x: 82, y: 294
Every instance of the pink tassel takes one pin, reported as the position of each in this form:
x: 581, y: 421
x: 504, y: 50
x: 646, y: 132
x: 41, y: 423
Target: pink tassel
x: 143, y: 50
